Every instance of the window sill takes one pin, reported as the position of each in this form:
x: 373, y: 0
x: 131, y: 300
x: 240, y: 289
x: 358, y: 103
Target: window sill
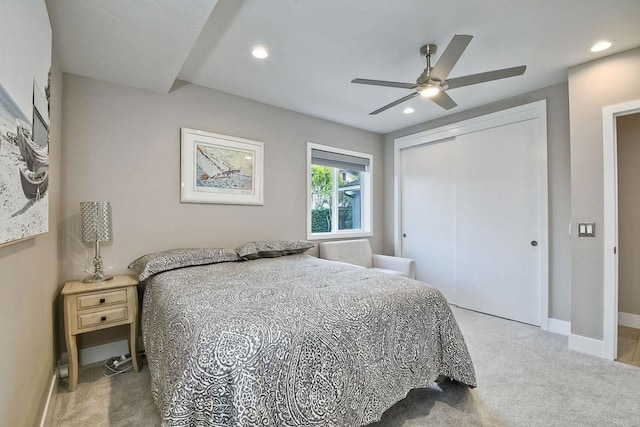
x: 340, y: 235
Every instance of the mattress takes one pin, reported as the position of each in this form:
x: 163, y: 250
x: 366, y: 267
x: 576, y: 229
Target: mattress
x: 293, y: 341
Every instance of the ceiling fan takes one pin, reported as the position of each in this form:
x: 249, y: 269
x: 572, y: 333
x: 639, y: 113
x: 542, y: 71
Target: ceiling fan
x: 433, y: 82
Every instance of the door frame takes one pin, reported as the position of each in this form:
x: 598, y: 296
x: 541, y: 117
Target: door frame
x: 610, y: 229
x: 531, y: 111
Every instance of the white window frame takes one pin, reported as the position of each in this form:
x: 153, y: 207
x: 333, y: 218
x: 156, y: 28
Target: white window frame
x: 366, y: 197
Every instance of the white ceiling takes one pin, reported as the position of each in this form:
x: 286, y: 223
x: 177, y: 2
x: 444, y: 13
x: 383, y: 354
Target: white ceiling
x: 139, y: 43
x: 317, y: 47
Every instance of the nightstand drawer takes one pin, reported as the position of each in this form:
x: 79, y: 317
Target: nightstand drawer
x: 103, y: 298
x: 102, y: 317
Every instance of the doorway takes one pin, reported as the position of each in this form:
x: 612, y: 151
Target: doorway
x: 616, y: 268
x: 628, y: 159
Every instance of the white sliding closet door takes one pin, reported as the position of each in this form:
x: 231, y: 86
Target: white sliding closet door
x: 428, y: 189
x: 470, y: 217
x: 497, y: 222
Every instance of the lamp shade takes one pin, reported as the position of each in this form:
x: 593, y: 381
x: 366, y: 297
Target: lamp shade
x: 95, y: 219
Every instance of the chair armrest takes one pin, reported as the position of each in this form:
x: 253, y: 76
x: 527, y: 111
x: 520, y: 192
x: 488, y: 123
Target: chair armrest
x: 313, y: 251
x: 406, y: 265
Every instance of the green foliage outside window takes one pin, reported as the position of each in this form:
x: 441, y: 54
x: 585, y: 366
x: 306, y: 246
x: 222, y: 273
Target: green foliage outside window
x: 322, y: 199
x: 320, y: 220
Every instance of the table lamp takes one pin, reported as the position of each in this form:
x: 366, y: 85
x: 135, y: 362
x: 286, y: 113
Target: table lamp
x: 95, y: 218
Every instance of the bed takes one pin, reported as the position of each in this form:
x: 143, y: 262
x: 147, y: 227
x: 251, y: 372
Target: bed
x: 292, y: 341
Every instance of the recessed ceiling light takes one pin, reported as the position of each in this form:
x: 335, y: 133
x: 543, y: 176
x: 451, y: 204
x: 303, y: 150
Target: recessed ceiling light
x: 259, y: 52
x: 408, y: 110
x: 601, y: 45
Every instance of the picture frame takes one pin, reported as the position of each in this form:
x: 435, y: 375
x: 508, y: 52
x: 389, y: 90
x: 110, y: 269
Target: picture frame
x: 222, y: 169
x: 25, y: 89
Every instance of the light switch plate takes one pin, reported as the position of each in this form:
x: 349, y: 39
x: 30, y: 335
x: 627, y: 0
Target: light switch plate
x: 586, y: 229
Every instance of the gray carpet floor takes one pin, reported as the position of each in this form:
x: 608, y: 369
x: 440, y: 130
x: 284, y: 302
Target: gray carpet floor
x: 526, y: 377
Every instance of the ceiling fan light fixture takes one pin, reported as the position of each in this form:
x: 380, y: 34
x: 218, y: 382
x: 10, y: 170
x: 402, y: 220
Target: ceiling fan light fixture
x: 601, y: 45
x: 433, y: 82
x: 429, y: 91
x: 259, y: 52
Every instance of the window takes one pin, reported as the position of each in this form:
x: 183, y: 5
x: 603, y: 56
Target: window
x: 338, y: 192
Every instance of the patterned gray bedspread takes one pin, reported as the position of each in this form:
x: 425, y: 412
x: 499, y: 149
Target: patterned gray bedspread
x: 293, y: 341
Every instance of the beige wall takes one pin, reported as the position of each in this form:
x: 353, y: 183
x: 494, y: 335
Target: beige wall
x: 628, y: 140
x: 28, y: 308
x: 592, y: 86
x: 559, y: 185
x: 123, y: 145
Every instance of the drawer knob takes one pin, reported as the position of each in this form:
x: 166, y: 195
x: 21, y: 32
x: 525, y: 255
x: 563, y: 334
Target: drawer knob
x: 102, y: 301
x: 103, y: 318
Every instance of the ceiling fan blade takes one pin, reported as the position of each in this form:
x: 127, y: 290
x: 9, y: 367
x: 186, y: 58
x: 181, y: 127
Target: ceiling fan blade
x: 450, y: 57
x: 385, y: 83
x: 394, y: 103
x: 485, y: 77
x: 444, y: 100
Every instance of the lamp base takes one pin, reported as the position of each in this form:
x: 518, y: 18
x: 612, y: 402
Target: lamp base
x: 96, y: 278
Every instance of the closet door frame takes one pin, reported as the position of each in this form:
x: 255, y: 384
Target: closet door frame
x: 532, y: 111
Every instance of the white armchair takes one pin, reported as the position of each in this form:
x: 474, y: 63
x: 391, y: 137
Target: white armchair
x: 358, y: 252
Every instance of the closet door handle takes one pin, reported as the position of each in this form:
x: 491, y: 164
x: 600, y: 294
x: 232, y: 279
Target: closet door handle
x: 534, y: 243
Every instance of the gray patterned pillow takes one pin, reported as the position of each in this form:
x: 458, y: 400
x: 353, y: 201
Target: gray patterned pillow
x: 150, y: 264
x: 272, y: 248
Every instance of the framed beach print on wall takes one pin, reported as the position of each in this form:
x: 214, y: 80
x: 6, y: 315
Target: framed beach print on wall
x: 219, y: 168
x: 24, y: 122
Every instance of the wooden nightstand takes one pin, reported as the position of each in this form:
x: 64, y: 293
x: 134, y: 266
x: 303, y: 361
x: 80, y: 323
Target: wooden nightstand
x: 94, y: 306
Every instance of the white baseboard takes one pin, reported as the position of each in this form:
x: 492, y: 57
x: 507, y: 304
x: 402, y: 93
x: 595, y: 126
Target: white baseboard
x: 558, y: 326
x: 98, y: 353
x: 101, y: 352
x: 46, y: 419
x: 628, y: 319
x: 586, y: 345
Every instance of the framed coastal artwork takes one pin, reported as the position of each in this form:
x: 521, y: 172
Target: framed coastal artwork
x: 220, y: 169
x: 24, y: 122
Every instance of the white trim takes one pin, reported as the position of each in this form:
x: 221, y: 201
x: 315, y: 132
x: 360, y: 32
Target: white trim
x: 533, y: 110
x: 586, y: 345
x: 629, y: 319
x: 46, y: 418
x: 102, y: 352
x: 366, y: 192
x: 558, y: 326
x: 543, y: 192
x: 98, y: 353
x: 340, y: 235
x: 610, y: 227
x: 487, y: 121
x: 397, y: 200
